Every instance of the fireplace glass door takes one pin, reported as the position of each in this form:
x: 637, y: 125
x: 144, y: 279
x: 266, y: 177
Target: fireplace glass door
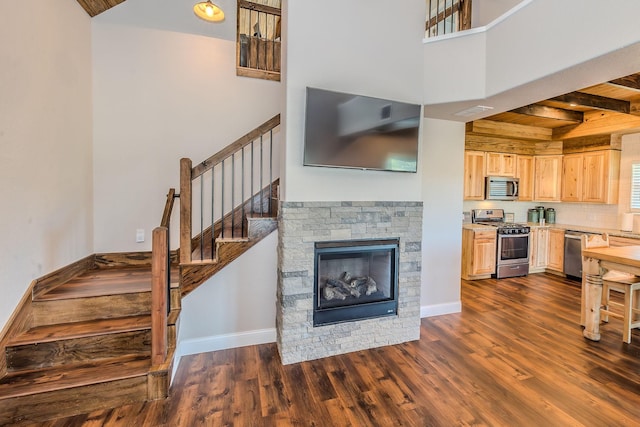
x: 355, y: 280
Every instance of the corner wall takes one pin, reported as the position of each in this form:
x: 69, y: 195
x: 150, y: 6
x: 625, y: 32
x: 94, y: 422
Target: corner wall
x: 45, y: 143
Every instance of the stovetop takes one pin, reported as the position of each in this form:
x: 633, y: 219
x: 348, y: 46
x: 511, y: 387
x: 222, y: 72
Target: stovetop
x: 495, y: 218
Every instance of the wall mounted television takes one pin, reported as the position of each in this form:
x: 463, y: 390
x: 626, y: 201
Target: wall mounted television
x: 353, y: 131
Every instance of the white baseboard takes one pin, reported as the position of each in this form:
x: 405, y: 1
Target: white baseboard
x: 439, y: 309
x: 222, y: 342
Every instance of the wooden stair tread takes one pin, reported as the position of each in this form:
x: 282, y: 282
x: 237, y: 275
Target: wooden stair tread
x: 100, y: 282
x: 51, y: 379
x: 49, y: 333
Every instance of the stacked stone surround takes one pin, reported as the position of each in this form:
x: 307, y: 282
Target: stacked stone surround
x: 301, y: 224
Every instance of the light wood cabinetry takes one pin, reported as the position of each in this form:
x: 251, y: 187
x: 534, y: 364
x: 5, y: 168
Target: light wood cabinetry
x: 525, y: 175
x: 474, y: 173
x: 500, y: 164
x: 572, y: 172
x: 478, y: 253
x: 556, y: 250
x: 548, y: 177
x: 538, y: 249
x: 591, y: 177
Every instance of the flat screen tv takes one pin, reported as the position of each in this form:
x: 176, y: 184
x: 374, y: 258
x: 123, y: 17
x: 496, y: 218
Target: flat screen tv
x: 353, y: 131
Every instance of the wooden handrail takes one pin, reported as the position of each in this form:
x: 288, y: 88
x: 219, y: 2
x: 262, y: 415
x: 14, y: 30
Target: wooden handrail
x: 168, y: 208
x: 232, y: 148
x: 159, y: 294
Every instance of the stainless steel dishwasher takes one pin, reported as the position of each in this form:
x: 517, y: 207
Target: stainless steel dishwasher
x: 573, y: 254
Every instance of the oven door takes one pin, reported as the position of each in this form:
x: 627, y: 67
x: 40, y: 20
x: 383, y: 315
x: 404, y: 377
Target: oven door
x: 513, y: 249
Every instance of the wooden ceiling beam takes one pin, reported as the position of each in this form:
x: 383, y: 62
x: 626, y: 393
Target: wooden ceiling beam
x: 509, y: 130
x: 96, y: 7
x: 631, y: 82
x: 594, y: 101
x: 538, y: 110
x: 599, y: 123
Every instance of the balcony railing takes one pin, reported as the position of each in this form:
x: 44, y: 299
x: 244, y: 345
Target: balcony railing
x: 447, y: 16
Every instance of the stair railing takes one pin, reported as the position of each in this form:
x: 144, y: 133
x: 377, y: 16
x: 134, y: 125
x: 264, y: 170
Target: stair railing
x: 226, y: 185
x: 161, y: 282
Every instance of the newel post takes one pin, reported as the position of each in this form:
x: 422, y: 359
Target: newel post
x: 185, y: 210
x: 159, y: 290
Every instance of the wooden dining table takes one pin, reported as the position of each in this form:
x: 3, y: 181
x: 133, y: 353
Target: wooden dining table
x: 597, y: 261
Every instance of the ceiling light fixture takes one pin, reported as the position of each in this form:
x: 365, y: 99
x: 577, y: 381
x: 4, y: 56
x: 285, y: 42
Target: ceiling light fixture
x: 208, y: 11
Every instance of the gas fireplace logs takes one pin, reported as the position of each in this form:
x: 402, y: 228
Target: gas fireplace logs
x: 348, y: 286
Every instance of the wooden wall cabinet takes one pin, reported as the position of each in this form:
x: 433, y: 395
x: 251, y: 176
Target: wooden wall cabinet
x: 591, y: 177
x: 478, y: 253
x: 538, y: 249
x: 548, y: 178
x: 474, y: 173
x: 572, y: 172
x: 525, y: 173
x: 556, y: 250
x: 500, y: 164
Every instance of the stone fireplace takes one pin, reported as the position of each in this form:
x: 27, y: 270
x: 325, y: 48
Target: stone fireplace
x: 328, y: 253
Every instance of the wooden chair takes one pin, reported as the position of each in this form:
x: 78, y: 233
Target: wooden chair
x: 617, y: 281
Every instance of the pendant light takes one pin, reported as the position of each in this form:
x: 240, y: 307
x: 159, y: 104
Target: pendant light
x: 208, y: 11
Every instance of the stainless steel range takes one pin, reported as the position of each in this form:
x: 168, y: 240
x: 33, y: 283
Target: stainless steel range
x: 512, y: 256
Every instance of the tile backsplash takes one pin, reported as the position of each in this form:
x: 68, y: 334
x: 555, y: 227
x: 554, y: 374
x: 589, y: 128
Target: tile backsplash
x: 585, y: 214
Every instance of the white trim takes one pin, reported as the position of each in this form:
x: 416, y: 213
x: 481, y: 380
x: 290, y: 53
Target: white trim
x: 439, y: 309
x: 482, y: 29
x: 223, y: 342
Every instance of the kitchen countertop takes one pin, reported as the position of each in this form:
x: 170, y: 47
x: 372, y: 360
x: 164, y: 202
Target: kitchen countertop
x: 566, y: 227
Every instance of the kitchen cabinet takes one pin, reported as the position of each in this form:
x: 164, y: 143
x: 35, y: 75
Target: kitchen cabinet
x: 525, y: 174
x: 500, y: 164
x: 538, y: 249
x: 474, y: 173
x: 591, y: 177
x: 478, y: 253
x: 548, y: 177
x: 572, y: 172
x: 556, y: 250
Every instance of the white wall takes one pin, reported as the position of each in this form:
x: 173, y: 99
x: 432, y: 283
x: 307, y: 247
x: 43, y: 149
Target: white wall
x: 347, y: 52
x: 485, y: 11
x: 542, y: 49
x: 160, y: 96
x: 45, y: 142
x: 442, y: 190
x: 238, y: 308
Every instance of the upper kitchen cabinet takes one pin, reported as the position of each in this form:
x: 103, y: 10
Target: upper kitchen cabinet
x: 474, y: 173
x: 548, y: 178
x: 525, y: 174
x: 601, y: 176
x: 591, y: 177
x: 500, y: 164
x: 572, y: 172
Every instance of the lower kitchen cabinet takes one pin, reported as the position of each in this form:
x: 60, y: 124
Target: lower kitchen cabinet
x: 478, y: 253
x: 538, y: 249
x: 556, y: 250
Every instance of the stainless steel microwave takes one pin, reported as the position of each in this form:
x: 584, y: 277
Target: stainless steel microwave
x: 501, y: 188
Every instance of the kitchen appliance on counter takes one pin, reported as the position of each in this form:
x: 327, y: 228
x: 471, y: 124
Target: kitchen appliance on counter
x: 512, y: 255
x: 550, y: 216
x: 501, y: 188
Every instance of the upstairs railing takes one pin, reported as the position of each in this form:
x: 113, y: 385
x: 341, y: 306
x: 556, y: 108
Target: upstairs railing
x: 217, y: 194
x: 447, y: 16
x: 258, y: 39
x: 161, y: 282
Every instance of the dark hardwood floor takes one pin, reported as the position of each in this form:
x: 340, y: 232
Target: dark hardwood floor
x: 515, y: 356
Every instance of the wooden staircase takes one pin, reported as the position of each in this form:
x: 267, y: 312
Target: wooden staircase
x: 84, y: 337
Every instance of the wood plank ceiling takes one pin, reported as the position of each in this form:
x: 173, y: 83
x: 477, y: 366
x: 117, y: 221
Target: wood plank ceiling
x: 611, y: 107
